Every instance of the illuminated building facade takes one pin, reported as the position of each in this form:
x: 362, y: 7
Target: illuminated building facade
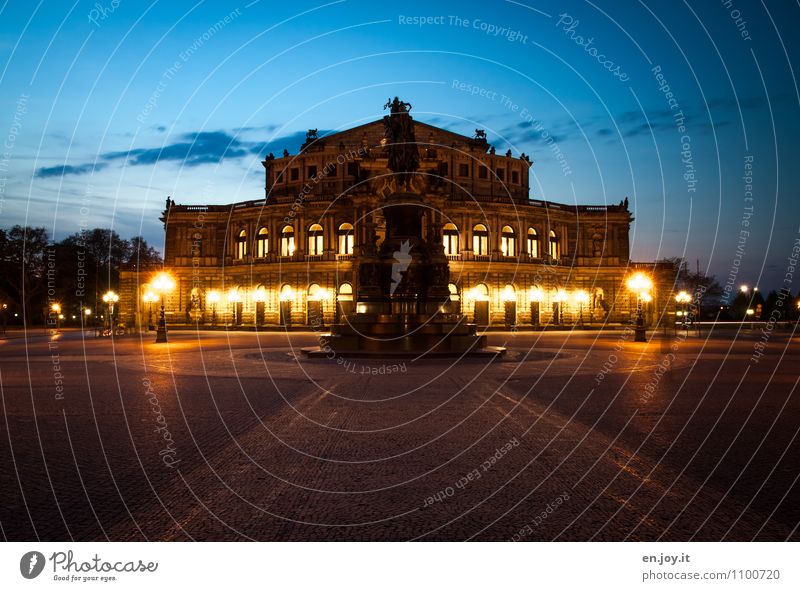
x: 290, y: 259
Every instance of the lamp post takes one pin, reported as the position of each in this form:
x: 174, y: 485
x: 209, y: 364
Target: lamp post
x: 3, y: 311
x: 582, y: 298
x: 110, y: 298
x: 559, y: 298
x: 233, y: 299
x: 682, y: 298
x: 640, y: 284
x: 162, y: 284
x: 213, y: 299
x: 56, y: 309
x: 536, y: 297
x: 149, y: 297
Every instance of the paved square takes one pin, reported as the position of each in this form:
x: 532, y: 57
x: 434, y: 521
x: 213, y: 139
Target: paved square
x: 229, y: 436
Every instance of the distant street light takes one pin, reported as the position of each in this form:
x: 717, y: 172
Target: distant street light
x: 149, y: 297
x: 162, y: 284
x: 683, y: 299
x: 56, y: 309
x: 582, y: 298
x: 640, y: 284
x: 213, y: 299
x: 110, y: 298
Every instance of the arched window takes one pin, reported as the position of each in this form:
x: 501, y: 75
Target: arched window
x: 345, y: 292
x: 241, y: 245
x: 508, y: 242
x: 262, y: 243
x: 533, y: 243
x: 287, y: 241
x: 480, y: 240
x: 315, y: 240
x: 555, y: 246
x: 450, y: 239
x: 345, y: 234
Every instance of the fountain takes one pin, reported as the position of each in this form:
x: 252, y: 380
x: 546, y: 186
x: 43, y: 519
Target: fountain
x: 403, y: 299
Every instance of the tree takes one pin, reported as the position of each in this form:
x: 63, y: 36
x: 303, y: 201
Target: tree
x: 142, y: 254
x: 27, y: 266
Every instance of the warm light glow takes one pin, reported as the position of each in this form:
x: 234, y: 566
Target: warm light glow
x: 639, y: 282
x: 213, y: 297
x: 744, y: 289
x: 88, y: 311
x: 476, y: 294
x: 561, y: 296
x: 646, y: 297
x: 319, y: 294
x: 61, y: 317
x: 233, y: 296
x: 508, y: 294
x: 683, y: 298
x: 581, y: 296
x: 536, y: 294
x: 149, y: 297
x: 163, y: 283
x: 260, y: 295
x: 750, y: 311
x: 56, y: 308
x: 287, y: 294
x: 110, y: 297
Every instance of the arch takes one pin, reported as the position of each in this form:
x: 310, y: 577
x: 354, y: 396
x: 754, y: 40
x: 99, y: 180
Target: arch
x: 241, y: 244
x: 287, y: 293
x: 509, y: 293
x: 453, y: 288
x: 345, y: 238
x: 480, y: 293
x: 508, y: 242
x: 287, y: 241
x: 480, y: 240
x: 315, y: 242
x: 533, y: 243
x: 262, y: 243
x: 450, y: 239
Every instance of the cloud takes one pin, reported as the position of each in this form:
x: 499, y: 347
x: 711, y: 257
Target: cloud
x: 66, y: 169
x: 194, y: 148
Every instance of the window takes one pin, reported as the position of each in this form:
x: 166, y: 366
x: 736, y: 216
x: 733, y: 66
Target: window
x: 463, y: 170
x: 294, y: 174
x: 501, y: 174
x: 483, y: 172
x: 262, y: 243
x: 241, y: 245
x: 450, y: 239
x: 345, y: 234
x: 508, y: 242
x: 287, y: 241
x: 331, y: 170
x: 352, y: 169
x: 312, y: 172
x: 315, y: 240
x: 480, y: 240
x: 515, y: 177
x: 555, y: 246
x: 533, y: 243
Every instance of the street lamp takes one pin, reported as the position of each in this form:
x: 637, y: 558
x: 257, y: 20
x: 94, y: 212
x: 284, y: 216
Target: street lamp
x: 640, y: 284
x: 582, y: 298
x: 56, y: 309
x: 536, y: 297
x: 682, y: 298
x: 213, y: 299
x: 110, y: 298
x: 149, y: 297
x: 162, y: 284
x: 233, y: 299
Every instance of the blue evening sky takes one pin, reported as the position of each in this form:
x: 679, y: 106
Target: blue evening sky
x: 108, y: 107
